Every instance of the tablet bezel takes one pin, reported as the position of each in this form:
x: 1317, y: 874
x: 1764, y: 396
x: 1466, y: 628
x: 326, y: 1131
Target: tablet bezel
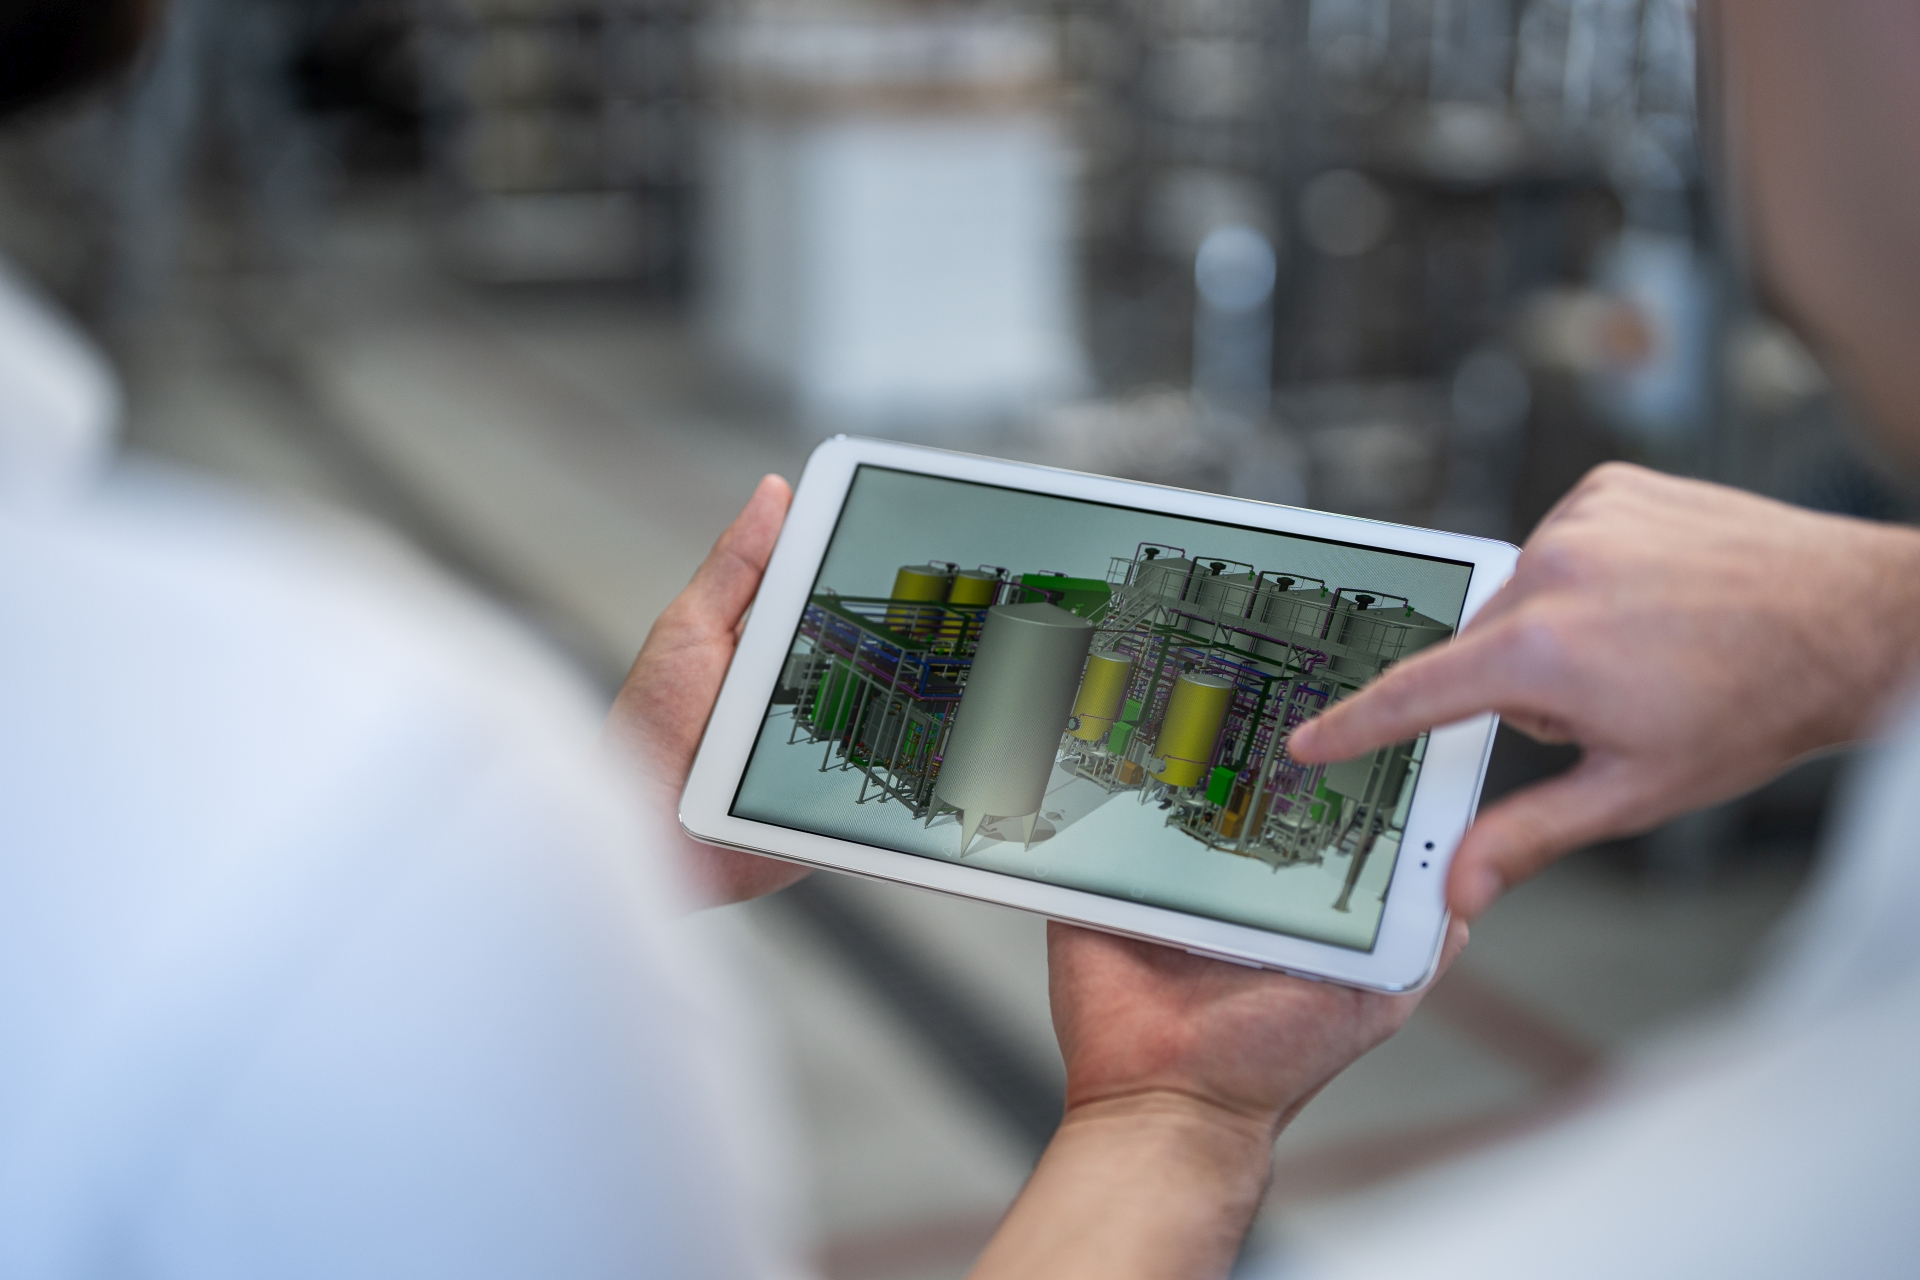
x: 1413, y: 924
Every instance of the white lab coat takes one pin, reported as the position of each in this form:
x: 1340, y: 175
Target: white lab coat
x: 1781, y: 1141
x: 328, y: 946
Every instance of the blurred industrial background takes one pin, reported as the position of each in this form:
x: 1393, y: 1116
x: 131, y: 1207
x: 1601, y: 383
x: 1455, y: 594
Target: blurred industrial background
x: 543, y: 286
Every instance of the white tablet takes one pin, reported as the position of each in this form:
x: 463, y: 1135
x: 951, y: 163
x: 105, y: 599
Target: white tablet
x: 1072, y: 694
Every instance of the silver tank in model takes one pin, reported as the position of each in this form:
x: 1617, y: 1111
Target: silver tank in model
x: 1007, y: 728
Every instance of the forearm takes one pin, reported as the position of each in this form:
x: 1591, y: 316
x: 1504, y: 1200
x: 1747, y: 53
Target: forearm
x: 1155, y: 1187
x: 1879, y: 634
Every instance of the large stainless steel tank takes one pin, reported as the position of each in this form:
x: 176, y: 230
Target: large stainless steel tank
x: 1227, y: 596
x: 1165, y: 577
x: 1007, y: 728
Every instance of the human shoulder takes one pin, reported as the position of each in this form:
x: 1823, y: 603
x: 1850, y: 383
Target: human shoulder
x: 203, y: 696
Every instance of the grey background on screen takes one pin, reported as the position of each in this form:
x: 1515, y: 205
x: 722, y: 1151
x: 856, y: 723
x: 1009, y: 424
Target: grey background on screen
x: 893, y: 518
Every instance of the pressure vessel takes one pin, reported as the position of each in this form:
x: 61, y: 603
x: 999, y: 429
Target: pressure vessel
x: 921, y: 584
x: 1218, y: 593
x: 1102, y: 690
x: 1195, y: 712
x: 1166, y: 578
x: 1294, y: 616
x: 1006, y: 730
x: 973, y: 588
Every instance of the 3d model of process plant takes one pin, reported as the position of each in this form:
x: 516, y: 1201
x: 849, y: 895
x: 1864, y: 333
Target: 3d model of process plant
x: 1174, y: 677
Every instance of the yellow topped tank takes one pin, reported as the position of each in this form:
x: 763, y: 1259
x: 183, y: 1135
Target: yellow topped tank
x: 1195, y: 712
x: 922, y: 584
x: 973, y: 587
x: 1102, y: 691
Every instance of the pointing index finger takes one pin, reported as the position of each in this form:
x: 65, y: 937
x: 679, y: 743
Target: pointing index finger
x: 1473, y: 674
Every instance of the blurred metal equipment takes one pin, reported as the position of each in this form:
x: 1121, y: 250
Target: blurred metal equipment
x: 1423, y: 170
x: 562, y: 133
x: 1490, y: 397
x: 224, y: 63
x: 1233, y: 273
x: 889, y: 208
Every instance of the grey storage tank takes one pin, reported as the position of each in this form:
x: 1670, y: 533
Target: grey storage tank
x: 1007, y: 728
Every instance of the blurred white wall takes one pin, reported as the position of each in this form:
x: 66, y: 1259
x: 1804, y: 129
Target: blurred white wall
x: 888, y: 219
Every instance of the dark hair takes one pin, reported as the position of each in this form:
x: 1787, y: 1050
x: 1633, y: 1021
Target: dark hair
x: 51, y: 47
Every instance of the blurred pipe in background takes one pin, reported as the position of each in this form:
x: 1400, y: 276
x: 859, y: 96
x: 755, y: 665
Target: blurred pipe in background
x: 1233, y: 274
x: 1490, y: 396
x: 1655, y: 387
x: 222, y: 64
x: 1640, y: 340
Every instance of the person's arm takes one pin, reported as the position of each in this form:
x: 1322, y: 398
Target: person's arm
x: 1692, y: 640
x: 1181, y: 1072
x: 656, y: 722
x: 1162, y: 1185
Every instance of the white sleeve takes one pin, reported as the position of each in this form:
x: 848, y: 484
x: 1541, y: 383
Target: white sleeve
x: 325, y: 949
x: 1789, y: 1157
x: 497, y: 1071
x: 1786, y: 1145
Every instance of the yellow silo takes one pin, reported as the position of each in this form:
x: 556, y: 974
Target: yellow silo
x: 973, y: 588
x: 1195, y: 713
x: 1102, y: 691
x: 921, y: 584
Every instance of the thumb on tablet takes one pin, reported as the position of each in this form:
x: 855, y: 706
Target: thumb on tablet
x: 724, y: 584
x: 662, y: 708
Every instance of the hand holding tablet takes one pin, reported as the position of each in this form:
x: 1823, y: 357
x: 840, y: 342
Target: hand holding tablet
x: 662, y: 708
x: 1073, y: 694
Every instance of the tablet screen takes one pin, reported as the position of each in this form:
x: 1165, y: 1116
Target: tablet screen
x: 1099, y: 697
